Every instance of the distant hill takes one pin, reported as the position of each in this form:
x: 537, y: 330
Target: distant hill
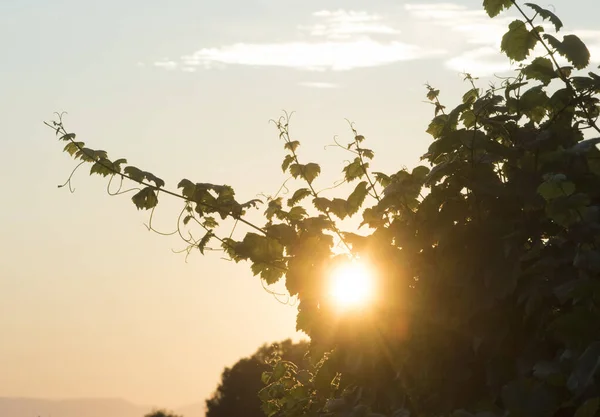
x: 109, y: 407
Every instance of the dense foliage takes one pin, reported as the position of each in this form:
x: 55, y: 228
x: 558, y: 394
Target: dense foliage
x: 161, y: 413
x: 488, y: 260
x: 236, y: 395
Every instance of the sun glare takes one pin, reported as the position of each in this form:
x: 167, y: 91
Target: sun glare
x: 351, y: 285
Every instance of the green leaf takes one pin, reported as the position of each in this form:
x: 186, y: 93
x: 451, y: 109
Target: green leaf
x: 554, y: 43
x: 292, y: 145
x: 297, y: 213
x: 420, y: 173
x: 432, y: 94
x: 354, y: 170
x: 575, y: 51
x: 136, y: 174
x: 356, y: 199
x: 68, y: 137
x: 518, y: 41
x: 298, y: 196
x: 572, y: 48
x: 117, y: 164
x: 588, y: 408
x: 533, y: 103
x: 337, y: 206
x: 311, y: 171
x: 270, y: 272
x: 585, y: 368
x: 151, y: 177
x: 540, y: 69
x: 89, y: 155
x: 286, y: 162
x: 546, y: 15
x: 556, y: 186
x: 527, y: 398
x: 73, y: 147
x: 102, y: 167
x: 470, y: 96
x: 321, y: 204
x: 145, y: 199
x: 494, y: 7
x: 209, y: 222
x: 436, y: 127
x: 366, y: 153
x: 204, y: 241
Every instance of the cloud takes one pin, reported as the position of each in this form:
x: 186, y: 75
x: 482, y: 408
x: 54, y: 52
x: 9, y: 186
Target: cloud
x: 169, y: 65
x: 342, y: 24
x: 318, y: 56
x: 321, y: 85
x: 474, y: 27
x: 479, y: 62
x: 340, y: 41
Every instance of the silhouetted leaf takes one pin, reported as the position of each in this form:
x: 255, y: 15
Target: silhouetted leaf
x: 117, y: 164
x: 354, y: 170
x: 518, y: 41
x: 337, y: 206
x: 540, y: 69
x: 575, y: 51
x: 311, y: 171
x: 204, y: 241
x: 292, y: 145
x: 135, y: 174
x: 546, y: 15
x: 356, y: 199
x: 145, y: 199
x: 73, y: 147
x: 585, y: 368
x: 436, y: 127
x: 286, y: 162
x: 103, y: 167
x: 68, y: 137
x: 298, y: 195
x: 572, y: 48
x: 494, y: 7
x: 588, y: 408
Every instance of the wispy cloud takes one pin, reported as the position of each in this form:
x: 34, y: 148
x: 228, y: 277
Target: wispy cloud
x: 321, y: 85
x: 340, y: 40
x: 342, y: 24
x: 318, y: 56
x: 460, y: 25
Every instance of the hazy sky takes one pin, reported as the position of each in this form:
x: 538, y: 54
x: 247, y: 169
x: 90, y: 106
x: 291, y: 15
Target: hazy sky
x: 91, y: 304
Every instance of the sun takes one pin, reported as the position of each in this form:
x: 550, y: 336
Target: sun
x: 351, y: 285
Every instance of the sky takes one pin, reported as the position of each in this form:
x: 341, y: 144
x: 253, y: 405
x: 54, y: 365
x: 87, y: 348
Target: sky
x: 94, y: 305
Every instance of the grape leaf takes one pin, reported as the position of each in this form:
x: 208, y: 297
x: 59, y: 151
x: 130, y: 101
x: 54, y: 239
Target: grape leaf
x: 103, y: 167
x: 518, y: 41
x: 286, y: 162
x: 354, y: 170
x: 540, y: 69
x: 298, y: 196
x: 311, y: 171
x: 572, y: 48
x: 204, y: 241
x: 292, y: 145
x: 575, y: 51
x: 145, y: 199
x: 356, y: 199
x: 546, y: 15
x: 494, y: 7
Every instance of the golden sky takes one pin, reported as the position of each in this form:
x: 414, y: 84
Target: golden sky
x: 93, y: 305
